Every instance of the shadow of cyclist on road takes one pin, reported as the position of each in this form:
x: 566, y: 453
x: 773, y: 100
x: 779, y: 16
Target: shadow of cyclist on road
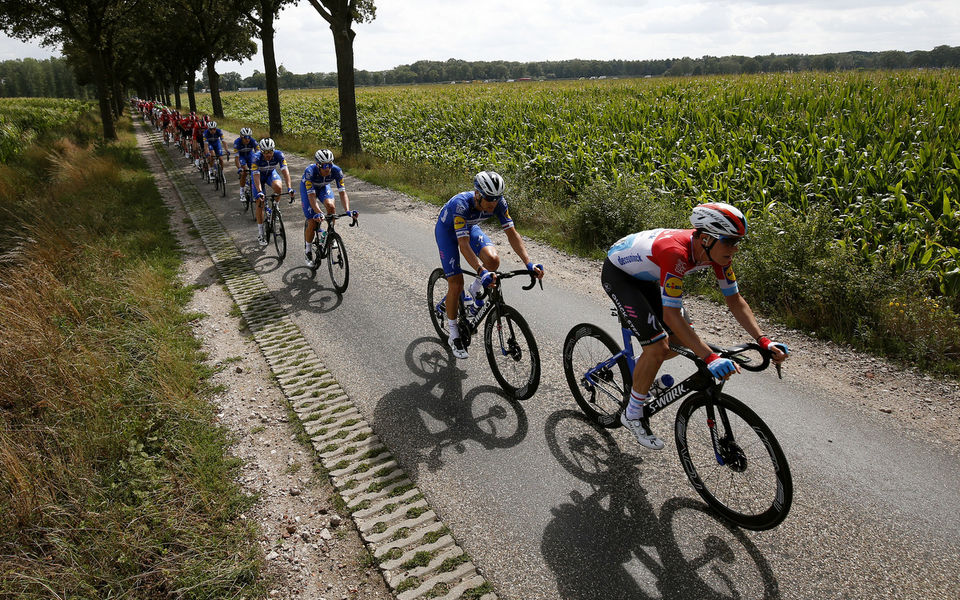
x: 610, y: 541
x: 436, y: 416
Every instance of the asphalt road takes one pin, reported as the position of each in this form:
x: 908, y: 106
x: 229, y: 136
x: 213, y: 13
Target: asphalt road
x: 876, y: 514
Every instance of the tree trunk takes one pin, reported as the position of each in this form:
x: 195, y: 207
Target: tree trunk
x: 349, y: 127
x: 270, y: 67
x: 176, y: 92
x: 103, y: 95
x: 214, y: 79
x: 191, y: 91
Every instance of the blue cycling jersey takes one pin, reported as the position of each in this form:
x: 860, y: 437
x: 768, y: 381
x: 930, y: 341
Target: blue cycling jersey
x: 213, y: 136
x: 245, y: 149
x: 277, y: 161
x: 460, y: 213
x: 312, y: 178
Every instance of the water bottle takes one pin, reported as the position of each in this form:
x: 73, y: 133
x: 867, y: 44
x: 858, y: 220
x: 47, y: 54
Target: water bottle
x: 323, y: 236
x: 660, y: 385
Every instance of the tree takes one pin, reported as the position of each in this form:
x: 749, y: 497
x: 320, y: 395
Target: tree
x: 262, y: 15
x: 93, y: 29
x: 341, y: 15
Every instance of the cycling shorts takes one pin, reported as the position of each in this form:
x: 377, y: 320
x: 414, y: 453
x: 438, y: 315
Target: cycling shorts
x: 216, y: 147
x: 637, y: 301
x: 450, y: 250
x: 245, y: 159
x: 308, y: 211
x: 269, y: 179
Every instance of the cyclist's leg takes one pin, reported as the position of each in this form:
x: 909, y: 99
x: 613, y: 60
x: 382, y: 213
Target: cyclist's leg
x: 328, y: 200
x: 484, y: 248
x: 633, y: 304
x: 450, y: 261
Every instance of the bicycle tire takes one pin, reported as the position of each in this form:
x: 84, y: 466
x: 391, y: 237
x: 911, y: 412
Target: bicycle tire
x: 585, y: 347
x: 223, y: 182
x: 519, y: 382
x: 752, y: 453
x: 279, y: 235
x: 437, y: 291
x: 337, y: 263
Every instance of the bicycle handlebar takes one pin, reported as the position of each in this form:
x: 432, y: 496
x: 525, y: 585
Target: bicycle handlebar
x: 508, y: 274
x: 736, y: 354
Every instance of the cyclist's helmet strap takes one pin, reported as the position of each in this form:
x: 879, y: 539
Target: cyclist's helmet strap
x: 489, y: 183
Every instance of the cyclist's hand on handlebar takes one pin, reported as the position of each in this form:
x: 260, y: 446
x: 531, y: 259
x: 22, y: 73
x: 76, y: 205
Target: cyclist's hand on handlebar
x: 779, y: 350
x: 721, y: 368
x: 487, y: 278
x: 536, y: 268
x: 261, y: 195
x: 354, y: 214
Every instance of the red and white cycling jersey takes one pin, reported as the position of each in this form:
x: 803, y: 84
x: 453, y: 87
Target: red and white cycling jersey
x: 665, y: 256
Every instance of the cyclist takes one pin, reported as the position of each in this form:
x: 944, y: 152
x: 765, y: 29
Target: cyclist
x: 245, y: 147
x: 199, y: 126
x: 265, y: 163
x: 457, y: 231
x: 315, y: 178
x: 214, y: 138
x: 643, y: 275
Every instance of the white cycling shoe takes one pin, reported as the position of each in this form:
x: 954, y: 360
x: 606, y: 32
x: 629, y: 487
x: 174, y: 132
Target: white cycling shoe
x: 456, y: 344
x: 640, y: 428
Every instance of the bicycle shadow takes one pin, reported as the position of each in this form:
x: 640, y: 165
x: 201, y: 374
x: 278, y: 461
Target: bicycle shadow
x: 308, y: 291
x: 613, y: 543
x: 267, y: 263
x: 436, y: 416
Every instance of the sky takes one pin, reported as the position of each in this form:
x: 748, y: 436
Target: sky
x: 406, y: 31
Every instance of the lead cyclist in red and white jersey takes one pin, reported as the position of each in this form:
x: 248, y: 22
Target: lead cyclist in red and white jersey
x: 643, y: 275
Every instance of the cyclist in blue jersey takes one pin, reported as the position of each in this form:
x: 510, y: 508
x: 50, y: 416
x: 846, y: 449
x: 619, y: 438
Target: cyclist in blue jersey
x: 458, y: 231
x: 213, y: 136
x: 245, y: 147
x: 265, y: 165
x: 314, y: 187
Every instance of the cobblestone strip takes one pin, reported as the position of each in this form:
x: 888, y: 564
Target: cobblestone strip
x: 416, y: 553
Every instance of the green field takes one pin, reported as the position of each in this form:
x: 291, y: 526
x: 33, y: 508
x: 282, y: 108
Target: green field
x: 879, y: 150
x: 23, y: 119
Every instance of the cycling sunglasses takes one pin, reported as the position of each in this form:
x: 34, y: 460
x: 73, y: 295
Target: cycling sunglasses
x: 326, y: 165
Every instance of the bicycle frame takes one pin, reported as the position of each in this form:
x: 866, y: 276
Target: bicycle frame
x: 495, y: 297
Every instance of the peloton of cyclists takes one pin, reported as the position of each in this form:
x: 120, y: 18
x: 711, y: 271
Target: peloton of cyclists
x: 245, y: 148
x: 643, y: 275
x: 316, y: 179
x: 265, y: 164
x: 458, y: 231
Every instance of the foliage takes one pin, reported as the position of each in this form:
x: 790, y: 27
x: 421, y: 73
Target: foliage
x: 114, y: 480
x: 877, y: 150
x: 50, y: 78
x: 24, y: 119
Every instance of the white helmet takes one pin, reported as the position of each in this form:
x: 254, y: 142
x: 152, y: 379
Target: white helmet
x: 212, y: 125
x: 720, y: 220
x: 323, y: 156
x: 246, y: 131
x: 267, y: 144
x: 489, y: 184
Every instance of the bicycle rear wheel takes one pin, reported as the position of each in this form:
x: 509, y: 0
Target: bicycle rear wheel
x: 600, y: 391
x: 337, y: 262
x: 512, y: 352
x: 733, y: 461
x: 222, y: 181
x: 279, y: 235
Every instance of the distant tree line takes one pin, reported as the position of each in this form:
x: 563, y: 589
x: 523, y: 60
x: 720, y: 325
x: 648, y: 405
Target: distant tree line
x: 48, y: 78
x: 428, y: 71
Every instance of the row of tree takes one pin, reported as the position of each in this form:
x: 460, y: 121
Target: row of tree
x: 427, y: 71
x: 49, y: 78
x: 155, y: 47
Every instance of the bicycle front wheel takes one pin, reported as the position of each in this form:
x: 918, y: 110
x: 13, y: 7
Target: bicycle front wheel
x: 600, y: 386
x: 512, y: 352
x: 279, y: 235
x: 733, y: 461
x: 337, y: 262
x: 222, y: 182
x: 436, y: 303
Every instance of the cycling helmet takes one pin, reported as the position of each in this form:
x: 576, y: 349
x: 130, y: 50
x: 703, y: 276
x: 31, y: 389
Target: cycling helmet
x: 212, y: 124
x: 719, y: 220
x: 267, y: 144
x: 323, y: 156
x: 246, y: 131
x: 489, y: 184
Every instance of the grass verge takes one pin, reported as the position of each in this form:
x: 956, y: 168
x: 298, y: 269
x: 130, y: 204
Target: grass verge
x: 114, y: 479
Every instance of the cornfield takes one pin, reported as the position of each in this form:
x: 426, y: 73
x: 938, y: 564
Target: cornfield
x: 878, y: 149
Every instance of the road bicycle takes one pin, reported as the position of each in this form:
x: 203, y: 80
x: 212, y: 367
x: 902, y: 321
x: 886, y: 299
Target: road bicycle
x: 273, y: 227
x: 249, y: 203
x: 219, y: 180
x: 329, y: 246
x: 729, y: 454
x: 511, y: 351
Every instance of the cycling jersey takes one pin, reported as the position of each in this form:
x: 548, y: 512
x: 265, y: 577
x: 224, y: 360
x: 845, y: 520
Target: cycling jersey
x: 245, y: 149
x: 460, y: 217
x: 665, y: 256
x: 268, y: 168
x: 314, y: 181
x: 213, y: 138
